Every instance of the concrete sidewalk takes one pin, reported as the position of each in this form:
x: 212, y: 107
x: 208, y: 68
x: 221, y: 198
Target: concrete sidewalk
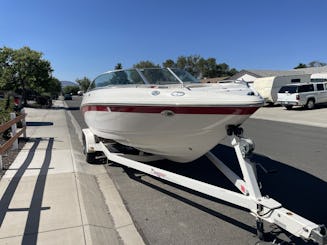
x: 50, y: 196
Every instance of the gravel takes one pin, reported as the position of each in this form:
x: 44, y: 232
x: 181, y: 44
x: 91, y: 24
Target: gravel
x: 9, y: 156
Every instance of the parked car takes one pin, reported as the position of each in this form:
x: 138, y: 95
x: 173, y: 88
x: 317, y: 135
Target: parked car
x: 68, y: 97
x: 303, y: 94
x: 18, y: 102
x: 16, y: 98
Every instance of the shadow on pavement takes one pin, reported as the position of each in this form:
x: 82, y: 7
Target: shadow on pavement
x: 71, y: 108
x: 303, y: 108
x: 37, y: 124
x: 34, y: 210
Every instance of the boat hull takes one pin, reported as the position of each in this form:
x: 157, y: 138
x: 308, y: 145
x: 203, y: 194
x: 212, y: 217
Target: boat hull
x: 177, y: 133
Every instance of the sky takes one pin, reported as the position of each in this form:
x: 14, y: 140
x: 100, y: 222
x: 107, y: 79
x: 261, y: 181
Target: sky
x: 88, y: 37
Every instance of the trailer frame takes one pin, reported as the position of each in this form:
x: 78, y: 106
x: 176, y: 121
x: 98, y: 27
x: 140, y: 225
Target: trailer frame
x: 263, y: 208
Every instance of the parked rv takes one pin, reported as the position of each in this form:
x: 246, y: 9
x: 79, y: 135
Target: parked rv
x: 318, y: 77
x: 268, y: 87
x: 303, y: 94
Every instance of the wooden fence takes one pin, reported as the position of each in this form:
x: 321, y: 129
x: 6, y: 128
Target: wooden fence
x: 13, y: 141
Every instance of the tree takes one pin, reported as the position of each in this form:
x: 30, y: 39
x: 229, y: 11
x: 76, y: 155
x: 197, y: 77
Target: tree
x: 223, y: 70
x: 24, y: 69
x: 53, y: 86
x: 301, y: 65
x: 119, y: 66
x: 84, y: 83
x: 145, y: 64
x: 208, y: 67
x: 316, y: 64
x: 200, y: 67
x: 232, y: 72
x: 70, y: 89
x: 310, y: 64
x: 169, y: 63
x: 190, y: 64
x: 194, y: 64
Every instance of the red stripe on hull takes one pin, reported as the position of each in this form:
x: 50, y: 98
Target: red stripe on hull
x: 175, y: 109
x: 94, y: 108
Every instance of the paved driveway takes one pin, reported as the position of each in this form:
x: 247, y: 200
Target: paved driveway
x: 316, y: 117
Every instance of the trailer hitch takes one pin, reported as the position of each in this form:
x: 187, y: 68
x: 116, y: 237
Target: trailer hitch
x: 319, y: 235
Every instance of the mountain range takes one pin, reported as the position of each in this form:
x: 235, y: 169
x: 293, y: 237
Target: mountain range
x: 68, y: 83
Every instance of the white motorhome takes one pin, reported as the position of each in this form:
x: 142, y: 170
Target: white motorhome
x: 268, y: 87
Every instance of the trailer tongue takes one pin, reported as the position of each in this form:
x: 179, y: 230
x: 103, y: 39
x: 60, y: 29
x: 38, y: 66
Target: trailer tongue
x: 263, y: 208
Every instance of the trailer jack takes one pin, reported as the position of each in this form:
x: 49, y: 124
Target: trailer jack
x: 249, y: 196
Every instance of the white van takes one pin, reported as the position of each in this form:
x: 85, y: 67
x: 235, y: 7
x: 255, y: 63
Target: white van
x: 268, y: 87
x: 303, y: 94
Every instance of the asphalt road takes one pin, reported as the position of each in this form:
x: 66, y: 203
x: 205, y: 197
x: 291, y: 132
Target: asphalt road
x: 168, y: 214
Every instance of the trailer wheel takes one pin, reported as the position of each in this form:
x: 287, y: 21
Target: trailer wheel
x: 90, y: 157
x: 310, y: 104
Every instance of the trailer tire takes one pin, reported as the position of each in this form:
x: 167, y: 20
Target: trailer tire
x: 89, y: 156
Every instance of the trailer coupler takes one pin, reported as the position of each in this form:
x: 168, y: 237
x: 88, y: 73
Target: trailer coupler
x: 289, y: 221
x: 319, y: 235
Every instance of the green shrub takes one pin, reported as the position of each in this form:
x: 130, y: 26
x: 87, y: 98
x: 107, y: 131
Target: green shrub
x: 6, y: 106
x: 44, y: 100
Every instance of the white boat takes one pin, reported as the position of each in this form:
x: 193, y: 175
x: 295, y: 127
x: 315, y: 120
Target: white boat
x: 166, y: 112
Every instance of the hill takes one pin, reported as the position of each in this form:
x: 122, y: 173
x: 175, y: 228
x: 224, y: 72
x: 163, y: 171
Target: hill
x: 68, y: 83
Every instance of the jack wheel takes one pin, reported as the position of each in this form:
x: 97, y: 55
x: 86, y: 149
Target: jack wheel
x: 90, y: 157
x: 236, y: 130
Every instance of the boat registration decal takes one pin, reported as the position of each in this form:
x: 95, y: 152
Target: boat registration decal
x: 174, y: 109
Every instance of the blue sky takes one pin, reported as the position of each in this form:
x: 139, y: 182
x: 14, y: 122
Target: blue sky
x: 84, y: 38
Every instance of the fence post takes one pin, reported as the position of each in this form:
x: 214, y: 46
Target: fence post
x: 24, y: 122
x: 1, y: 165
x: 14, y: 131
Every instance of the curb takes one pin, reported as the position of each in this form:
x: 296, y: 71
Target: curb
x: 122, y: 220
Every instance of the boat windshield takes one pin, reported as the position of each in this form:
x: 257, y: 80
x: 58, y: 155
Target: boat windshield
x: 184, y: 76
x: 160, y: 76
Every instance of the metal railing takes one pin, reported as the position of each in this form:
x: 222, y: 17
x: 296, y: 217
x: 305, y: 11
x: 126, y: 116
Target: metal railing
x: 13, y: 141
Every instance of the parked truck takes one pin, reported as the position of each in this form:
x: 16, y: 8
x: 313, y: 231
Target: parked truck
x: 303, y: 94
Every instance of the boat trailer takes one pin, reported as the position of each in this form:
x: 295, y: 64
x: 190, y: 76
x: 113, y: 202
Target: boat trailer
x: 263, y: 208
